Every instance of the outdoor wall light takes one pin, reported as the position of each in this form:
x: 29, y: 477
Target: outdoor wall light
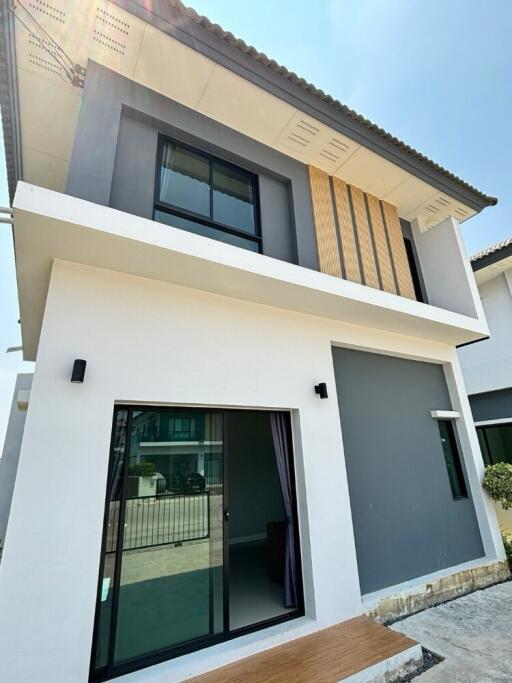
x: 78, y: 374
x: 321, y: 390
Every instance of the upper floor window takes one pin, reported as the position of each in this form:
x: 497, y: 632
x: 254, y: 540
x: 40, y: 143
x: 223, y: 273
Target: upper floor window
x: 206, y: 195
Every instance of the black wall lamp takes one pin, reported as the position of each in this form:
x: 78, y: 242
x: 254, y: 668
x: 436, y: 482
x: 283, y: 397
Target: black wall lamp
x: 321, y: 390
x: 78, y: 374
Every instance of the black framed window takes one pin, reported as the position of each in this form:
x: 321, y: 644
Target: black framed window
x: 496, y: 443
x: 452, y: 459
x: 206, y: 195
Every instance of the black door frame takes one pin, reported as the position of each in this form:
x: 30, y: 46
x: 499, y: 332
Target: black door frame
x: 114, y: 670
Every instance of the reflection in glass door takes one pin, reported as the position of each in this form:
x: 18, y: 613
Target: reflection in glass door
x: 162, y: 580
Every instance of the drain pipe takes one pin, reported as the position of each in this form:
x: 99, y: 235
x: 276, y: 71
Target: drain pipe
x: 8, y: 211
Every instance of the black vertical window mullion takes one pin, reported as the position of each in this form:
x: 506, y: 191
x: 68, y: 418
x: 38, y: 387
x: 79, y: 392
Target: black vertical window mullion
x: 225, y: 519
x: 486, y: 439
x: 104, y: 541
x: 120, y: 542
x: 210, y: 168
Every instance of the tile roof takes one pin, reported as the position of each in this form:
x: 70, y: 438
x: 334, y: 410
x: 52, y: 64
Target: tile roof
x: 310, y: 88
x: 10, y: 115
x: 497, y: 251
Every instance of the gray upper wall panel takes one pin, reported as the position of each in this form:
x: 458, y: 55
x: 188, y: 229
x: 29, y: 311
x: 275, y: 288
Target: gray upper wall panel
x: 123, y: 175
x: 133, y: 182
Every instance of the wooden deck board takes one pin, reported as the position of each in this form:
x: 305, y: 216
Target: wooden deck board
x: 326, y: 656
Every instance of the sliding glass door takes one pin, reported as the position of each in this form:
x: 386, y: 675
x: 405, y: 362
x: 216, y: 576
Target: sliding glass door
x: 170, y: 537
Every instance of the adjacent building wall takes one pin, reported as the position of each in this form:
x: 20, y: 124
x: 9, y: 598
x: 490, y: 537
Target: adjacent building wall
x: 492, y: 405
x: 487, y: 365
x: 406, y: 522
x: 11, y: 451
x: 186, y: 347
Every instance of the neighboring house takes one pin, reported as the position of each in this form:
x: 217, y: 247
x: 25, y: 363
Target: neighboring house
x: 487, y: 366
x: 268, y: 291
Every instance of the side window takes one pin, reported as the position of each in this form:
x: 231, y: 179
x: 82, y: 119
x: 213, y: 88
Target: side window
x: 452, y: 459
x: 496, y: 443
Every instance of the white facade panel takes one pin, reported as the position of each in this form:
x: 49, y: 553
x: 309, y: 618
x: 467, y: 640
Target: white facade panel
x: 487, y: 365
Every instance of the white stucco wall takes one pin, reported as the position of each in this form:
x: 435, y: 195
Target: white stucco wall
x: 487, y: 365
x: 446, y: 268
x: 146, y: 341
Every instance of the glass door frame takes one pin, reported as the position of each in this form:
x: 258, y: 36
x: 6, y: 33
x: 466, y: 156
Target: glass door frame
x: 112, y: 670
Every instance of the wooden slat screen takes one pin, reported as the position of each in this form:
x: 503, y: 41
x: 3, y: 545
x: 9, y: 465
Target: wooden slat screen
x: 359, y: 236
x: 381, y: 244
x: 323, y: 213
x: 396, y: 241
x: 364, y: 238
x: 346, y: 228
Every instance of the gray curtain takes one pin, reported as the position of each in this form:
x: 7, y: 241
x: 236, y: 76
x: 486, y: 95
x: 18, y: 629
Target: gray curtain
x: 278, y: 423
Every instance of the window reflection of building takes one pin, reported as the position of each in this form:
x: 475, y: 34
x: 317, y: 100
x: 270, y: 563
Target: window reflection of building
x: 178, y: 444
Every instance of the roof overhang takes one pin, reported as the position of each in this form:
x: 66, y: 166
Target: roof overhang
x: 493, y: 261
x: 49, y: 225
x: 213, y: 73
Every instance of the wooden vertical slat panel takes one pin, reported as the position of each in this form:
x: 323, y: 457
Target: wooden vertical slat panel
x: 381, y: 244
x: 364, y: 237
x: 398, y: 253
x: 325, y: 226
x: 346, y: 228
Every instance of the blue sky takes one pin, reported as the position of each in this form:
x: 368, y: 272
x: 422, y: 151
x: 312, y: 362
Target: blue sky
x: 436, y: 74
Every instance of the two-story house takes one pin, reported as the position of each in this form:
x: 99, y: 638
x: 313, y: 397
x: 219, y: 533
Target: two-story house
x: 487, y: 366
x: 247, y: 419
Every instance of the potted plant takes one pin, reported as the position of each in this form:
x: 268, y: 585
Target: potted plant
x: 145, y: 473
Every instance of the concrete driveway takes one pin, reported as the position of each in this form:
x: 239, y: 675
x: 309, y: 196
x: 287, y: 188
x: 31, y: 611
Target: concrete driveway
x: 473, y: 633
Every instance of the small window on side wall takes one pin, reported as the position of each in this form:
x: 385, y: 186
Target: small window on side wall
x: 452, y: 459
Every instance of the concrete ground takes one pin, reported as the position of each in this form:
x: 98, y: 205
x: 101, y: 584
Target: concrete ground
x: 473, y: 633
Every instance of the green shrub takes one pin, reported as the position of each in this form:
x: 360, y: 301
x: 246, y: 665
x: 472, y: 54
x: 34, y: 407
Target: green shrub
x: 142, y: 469
x: 507, y: 544
x: 497, y: 482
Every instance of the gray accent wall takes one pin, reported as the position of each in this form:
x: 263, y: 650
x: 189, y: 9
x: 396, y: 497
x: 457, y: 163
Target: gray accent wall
x: 406, y: 522
x: 491, y: 405
x: 11, y: 451
x: 114, y: 158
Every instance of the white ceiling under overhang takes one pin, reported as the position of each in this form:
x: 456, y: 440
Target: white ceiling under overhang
x: 99, y: 30
x: 493, y: 270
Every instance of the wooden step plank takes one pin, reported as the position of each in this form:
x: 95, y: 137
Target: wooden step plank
x: 326, y: 656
